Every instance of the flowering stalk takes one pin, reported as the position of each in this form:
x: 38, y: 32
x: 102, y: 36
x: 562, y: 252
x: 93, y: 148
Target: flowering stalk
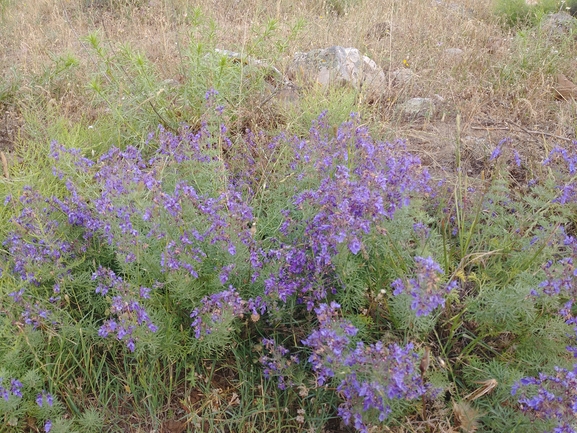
x: 552, y: 397
x: 368, y: 377
x: 426, y: 289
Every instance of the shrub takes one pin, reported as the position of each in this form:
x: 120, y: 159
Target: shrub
x: 344, y: 263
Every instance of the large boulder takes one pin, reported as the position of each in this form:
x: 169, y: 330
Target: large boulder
x: 338, y: 66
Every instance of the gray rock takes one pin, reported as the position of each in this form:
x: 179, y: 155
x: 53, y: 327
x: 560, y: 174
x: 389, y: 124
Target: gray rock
x: 418, y: 107
x: 402, y: 76
x: 454, y: 52
x: 559, y: 24
x: 337, y: 66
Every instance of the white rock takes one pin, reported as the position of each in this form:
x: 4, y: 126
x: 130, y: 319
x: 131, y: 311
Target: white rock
x: 337, y: 65
x: 402, y: 76
x: 455, y: 52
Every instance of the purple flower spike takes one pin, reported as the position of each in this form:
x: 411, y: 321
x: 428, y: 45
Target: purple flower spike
x: 44, y: 398
x: 367, y: 376
x: 426, y: 289
x: 16, y: 387
x: 552, y: 397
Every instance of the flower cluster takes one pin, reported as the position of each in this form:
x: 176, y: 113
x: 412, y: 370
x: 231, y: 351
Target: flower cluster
x: 426, y: 289
x: 552, y: 397
x: 39, y: 256
x: 180, y: 218
x: 330, y: 343
x: 497, y: 152
x: 45, y: 399
x: 215, y: 308
x: 562, y: 280
x: 278, y: 362
x: 362, y: 183
x: 566, y: 160
x: 15, y: 389
x: 368, y: 376
x: 148, y: 213
x: 36, y: 244
x: 379, y: 375
x: 128, y: 312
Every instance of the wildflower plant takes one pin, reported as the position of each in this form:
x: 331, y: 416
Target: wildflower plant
x: 368, y: 377
x: 197, y: 244
x: 426, y: 290
x: 14, y: 396
x: 550, y: 397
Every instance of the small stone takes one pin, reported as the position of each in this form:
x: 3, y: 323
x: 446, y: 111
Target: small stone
x: 455, y: 52
x: 564, y: 88
x: 402, y: 76
x: 418, y: 107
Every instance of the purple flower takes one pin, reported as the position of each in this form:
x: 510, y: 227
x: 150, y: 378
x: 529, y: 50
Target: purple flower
x: 215, y: 308
x: 44, y: 398
x: 421, y: 229
x: 224, y: 273
x: 426, y: 289
x: 367, y: 376
x: 355, y: 245
x: 278, y: 362
x: 129, y: 312
x: 16, y: 387
x: 517, y: 158
x: 362, y: 183
x: 130, y: 344
x: 210, y: 94
x: 551, y: 397
x: 495, y: 154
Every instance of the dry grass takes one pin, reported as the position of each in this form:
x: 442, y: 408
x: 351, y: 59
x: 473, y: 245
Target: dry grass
x: 496, y: 82
x: 500, y: 83
x: 483, y: 83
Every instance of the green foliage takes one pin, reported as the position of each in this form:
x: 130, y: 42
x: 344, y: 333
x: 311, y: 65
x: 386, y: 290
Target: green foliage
x: 4, y: 5
x: 492, y: 240
x: 130, y: 87
x: 498, y: 310
x: 339, y: 102
x: 519, y: 13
